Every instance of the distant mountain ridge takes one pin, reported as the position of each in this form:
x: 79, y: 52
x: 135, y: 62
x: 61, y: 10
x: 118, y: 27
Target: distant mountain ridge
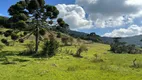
x: 136, y: 40
x: 129, y: 40
x: 92, y: 36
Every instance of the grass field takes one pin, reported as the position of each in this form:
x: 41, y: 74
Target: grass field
x: 107, y: 66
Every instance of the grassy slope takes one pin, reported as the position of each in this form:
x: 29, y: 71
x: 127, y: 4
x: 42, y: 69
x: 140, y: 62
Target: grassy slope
x: 65, y: 67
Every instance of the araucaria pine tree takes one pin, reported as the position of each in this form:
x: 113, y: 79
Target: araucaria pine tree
x: 32, y: 17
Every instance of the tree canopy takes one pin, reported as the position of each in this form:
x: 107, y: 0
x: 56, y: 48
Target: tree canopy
x: 34, y: 17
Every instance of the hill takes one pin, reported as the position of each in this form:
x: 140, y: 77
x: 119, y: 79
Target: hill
x: 92, y: 36
x: 129, y: 40
x: 98, y: 63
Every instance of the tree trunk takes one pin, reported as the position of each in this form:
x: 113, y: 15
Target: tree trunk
x: 36, y: 40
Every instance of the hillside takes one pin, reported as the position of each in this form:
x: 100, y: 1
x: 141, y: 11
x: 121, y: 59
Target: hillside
x: 86, y: 36
x: 65, y: 66
x: 37, y: 41
x: 98, y: 63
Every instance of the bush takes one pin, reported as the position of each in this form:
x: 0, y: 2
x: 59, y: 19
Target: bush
x: 78, y: 41
x: 4, y: 41
x: 80, y: 50
x: 50, y: 47
x: 14, y: 36
x: 8, y: 33
x: 58, y: 35
x: 1, y: 33
x: 65, y: 40
x: 121, y: 47
x: 21, y: 40
x: 71, y: 40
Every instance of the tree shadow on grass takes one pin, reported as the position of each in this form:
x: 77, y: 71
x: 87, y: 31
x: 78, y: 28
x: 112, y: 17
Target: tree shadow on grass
x: 5, y: 60
x: 20, y: 60
x: 7, y: 53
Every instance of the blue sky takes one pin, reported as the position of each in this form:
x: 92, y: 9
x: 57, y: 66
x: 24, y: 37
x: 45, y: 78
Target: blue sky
x: 5, y: 4
x: 122, y: 20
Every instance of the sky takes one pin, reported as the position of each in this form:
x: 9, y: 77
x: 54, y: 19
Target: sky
x: 110, y: 18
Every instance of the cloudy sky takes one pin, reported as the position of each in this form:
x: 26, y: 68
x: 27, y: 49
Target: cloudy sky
x: 112, y: 18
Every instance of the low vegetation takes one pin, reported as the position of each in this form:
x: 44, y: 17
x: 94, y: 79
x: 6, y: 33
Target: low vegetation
x: 122, y: 47
x: 50, y: 47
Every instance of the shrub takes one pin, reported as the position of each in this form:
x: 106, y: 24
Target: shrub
x: 50, y: 47
x: 58, y: 35
x: 14, y: 36
x: 78, y: 41
x: 21, y: 40
x: 81, y: 49
x: 71, y: 40
x: 65, y: 40
x: 121, y: 47
x: 8, y: 33
x: 4, y: 41
x: 136, y: 64
x: 1, y: 32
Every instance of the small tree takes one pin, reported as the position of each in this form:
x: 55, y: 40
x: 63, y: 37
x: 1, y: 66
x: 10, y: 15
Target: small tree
x: 50, y: 47
x: 78, y: 41
x: 81, y: 49
x: 71, y: 40
x: 65, y: 40
x: 59, y: 35
x: 4, y: 41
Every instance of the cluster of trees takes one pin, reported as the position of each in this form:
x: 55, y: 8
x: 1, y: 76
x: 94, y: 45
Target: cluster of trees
x: 4, y: 22
x: 122, y: 47
x: 92, y: 36
x: 34, y: 17
x: 31, y: 17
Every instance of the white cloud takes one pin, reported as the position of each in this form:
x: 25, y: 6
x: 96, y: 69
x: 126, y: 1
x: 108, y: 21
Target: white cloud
x: 111, y: 13
x: 74, y: 15
x: 122, y: 32
x: 134, y: 2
